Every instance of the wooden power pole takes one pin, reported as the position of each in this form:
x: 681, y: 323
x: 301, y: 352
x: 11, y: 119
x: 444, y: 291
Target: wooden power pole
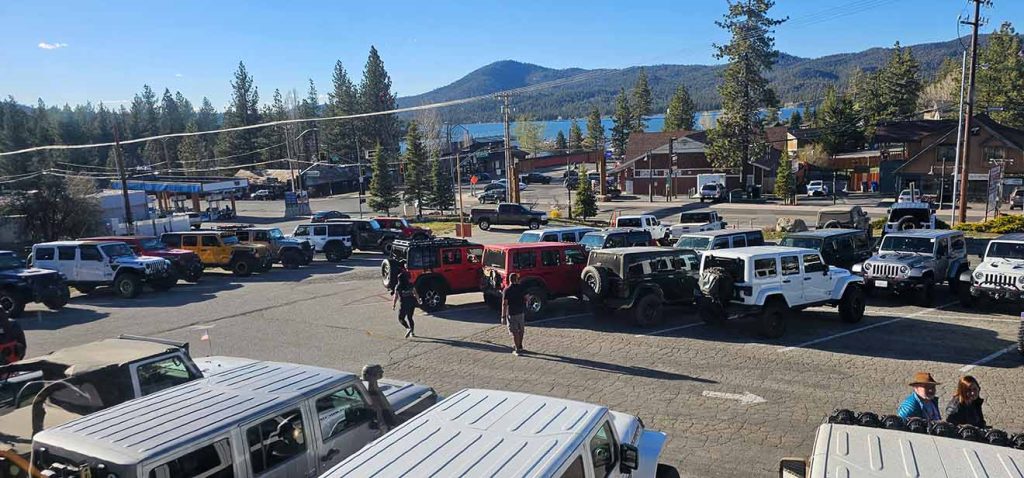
x: 119, y: 162
x: 964, y: 168
x: 512, y: 186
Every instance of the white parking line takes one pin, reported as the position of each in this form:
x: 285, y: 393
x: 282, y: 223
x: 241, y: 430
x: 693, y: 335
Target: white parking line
x: 658, y: 332
x: 987, y: 359
x: 552, y: 319
x: 860, y: 329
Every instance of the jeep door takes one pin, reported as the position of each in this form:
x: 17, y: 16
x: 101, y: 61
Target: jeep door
x: 211, y: 247
x: 45, y: 257
x: 456, y: 268
x: 817, y: 281
x: 319, y: 235
x: 792, y: 284
x: 191, y: 242
x: 941, y: 258
x: 90, y: 265
x: 345, y: 423
x: 279, y: 444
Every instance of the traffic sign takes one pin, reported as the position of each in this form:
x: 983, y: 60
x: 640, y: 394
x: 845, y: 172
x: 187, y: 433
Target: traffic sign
x: 473, y: 179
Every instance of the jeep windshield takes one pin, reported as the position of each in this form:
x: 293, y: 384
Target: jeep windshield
x: 275, y: 233
x: 494, y: 258
x: 805, y: 242
x: 117, y: 250
x: 8, y: 262
x: 374, y: 224
x: 918, y: 245
x: 1005, y: 250
x: 592, y: 241
x: 230, y: 240
x: 921, y: 215
x: 530, y: 237
x: 694, y: 217
x: 152, y: 244
x: 693, y: 242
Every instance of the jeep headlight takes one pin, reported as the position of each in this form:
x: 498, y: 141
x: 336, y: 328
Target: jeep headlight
x: 904, y: 270
x: 1020, y: 280
x: 978, y: 275
x: 867, y: 267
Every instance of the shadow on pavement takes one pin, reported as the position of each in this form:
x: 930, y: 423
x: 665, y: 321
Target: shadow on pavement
x: 178, y: 295
x: 56, y: 319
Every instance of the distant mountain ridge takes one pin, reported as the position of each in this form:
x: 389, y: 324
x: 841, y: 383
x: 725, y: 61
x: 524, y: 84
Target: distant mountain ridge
x: 796, y: 80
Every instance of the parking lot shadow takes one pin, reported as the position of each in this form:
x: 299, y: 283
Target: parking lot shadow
x: 472, y: 313
x: 56, y: 319
x: 178, y: 295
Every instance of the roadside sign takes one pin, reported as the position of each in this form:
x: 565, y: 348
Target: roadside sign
x: 473, y: 179
x: 313, y: 174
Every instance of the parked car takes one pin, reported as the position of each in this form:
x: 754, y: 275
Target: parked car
x: 712, y: 192
x: 555, y: 234
x: 368, y: 235
x: 534, y: 178
x: 914, y: 262
x: 640, y: 280
x: 907, y: 195
x: 999, y: 277
x: 696, y: 221
x: 547, y: 270
x: 817, y: 187
x: 844, y: 217
x: 20, y: 285
x: 261, y: 419
x: 290, y: 252
x: 404, y: 228
x: 195, y: 220
x: 1017, y: 199
x: 186, y: 264
x: 773, y: 283
x: 720, y: 239
x: 504, y: 184
x: 323, y: 216
x: 904, y: 216
x: 507, y: 214
x: 87, y: 265
x: 222, y: 249
x: 554, y: 438
x: 493, y: 196
x: 333, y: 240
x: 437, y: 268
x: 647, y: 222
x: 616, y: 237
x: 496, y: 187
x: 839, y: 247
x: 261, y: 195
x: 107, y: 372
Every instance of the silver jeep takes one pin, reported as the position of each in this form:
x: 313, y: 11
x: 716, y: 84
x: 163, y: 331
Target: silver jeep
x: 913, y: 262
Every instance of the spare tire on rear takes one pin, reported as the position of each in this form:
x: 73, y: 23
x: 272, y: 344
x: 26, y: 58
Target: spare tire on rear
x: 716, y: 283
x: 595, y: 282
x: 906, y: 223
x: 389, y: 270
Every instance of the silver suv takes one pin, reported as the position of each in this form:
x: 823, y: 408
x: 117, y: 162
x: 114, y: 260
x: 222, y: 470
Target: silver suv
x: 913, y: 262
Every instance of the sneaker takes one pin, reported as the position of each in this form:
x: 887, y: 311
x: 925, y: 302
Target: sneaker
x: 515, y: 352
x: 409, y: 333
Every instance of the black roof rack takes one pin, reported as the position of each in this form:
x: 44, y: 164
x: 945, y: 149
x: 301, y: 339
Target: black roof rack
x: 436, y: 242
x: 233, y: 227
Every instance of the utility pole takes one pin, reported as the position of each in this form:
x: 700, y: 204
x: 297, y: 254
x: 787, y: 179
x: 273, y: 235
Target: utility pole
x: 671, y: 170
x: 650, y: 178
x: 964, y: 175
x: 458, y: 181
x: 512, y: 185
x: 959, y: 138
x: 119, y: 162
x: 359, y: 166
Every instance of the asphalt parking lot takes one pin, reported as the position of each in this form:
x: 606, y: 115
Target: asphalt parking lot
x: 732, y: 403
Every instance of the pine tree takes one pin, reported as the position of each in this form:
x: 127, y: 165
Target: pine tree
x: 442, y: 195
x: 206, y: 118
x: 171, y: 121
x: 785, y: 183
x: 795, y: 120
x: 898, y: 85
x: 414, y: 169
x: 529, y: 135
x: 585, y: 203
x: 243, y: 111
x: 681, y: 111
x: 1001, y: 83
x: 575, y: 136
x: 560, y: 143
x: 641, y: 106
x: 622, y: 123
x: 14, y: 135
x: 375, y: 95
x: 595, y: 131
x: 383, y: 194
x: 840, y: 125
x: 310, y: 108
x: 738, y: 136
x: 192, y: 150
x: 340, y: 137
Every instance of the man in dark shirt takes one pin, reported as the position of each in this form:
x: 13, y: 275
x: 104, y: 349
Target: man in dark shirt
x: 513, y: 308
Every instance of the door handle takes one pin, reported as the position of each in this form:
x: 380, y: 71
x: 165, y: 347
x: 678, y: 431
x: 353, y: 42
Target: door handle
x: 807, y: 278
x: 787, y: 281
x: 330, y: 454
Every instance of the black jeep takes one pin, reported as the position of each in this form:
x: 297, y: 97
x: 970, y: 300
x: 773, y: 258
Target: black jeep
x: 20, y: 285
x: 839, y: 247
x: 641, y: 280
x: 367, y: 235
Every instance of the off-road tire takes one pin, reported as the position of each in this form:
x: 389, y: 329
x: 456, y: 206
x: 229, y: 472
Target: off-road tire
x: 594, y: 283
x: 389, y: 270
x: 85, y: 289
x: 648, y: 310
x: 851, y: 305
x: 432, y: 295
x: 334, y: 253
x: 386, y: 246
x: 1020, y: 338
x: 666, y: 471
x: 291, y: 259
x: 194, y: 273
x: 57, y: 303
x: 771, y: 323
x: 906, y: 223
x: 536, y: 302
x: 15, y: 332
x: 128, y: 285
x: 712, y: 312
x: 723, y: 289
x: 534, y: 224
x: 12, y: 303
x: 243, y: 266
x: 833, y: 224
x: 484, y: 224
x: 925, y: 293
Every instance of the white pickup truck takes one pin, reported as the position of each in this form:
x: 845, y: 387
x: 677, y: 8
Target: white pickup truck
x: 646, y: 222
x: 697, y: 221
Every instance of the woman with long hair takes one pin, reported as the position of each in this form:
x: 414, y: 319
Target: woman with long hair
x: 965, y: 406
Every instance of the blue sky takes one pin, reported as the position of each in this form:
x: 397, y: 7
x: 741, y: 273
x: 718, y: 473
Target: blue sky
x: 73, y: 51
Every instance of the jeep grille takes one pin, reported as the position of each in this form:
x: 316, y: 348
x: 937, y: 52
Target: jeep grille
x: 885, y: 270
x: 999, y: 279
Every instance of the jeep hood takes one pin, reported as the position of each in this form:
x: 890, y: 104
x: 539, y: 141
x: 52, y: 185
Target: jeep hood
x: 407, y: 398
x: 1003, y: 265
x: 28, y: 273
x: 140, y: 260
x: 908, y: 258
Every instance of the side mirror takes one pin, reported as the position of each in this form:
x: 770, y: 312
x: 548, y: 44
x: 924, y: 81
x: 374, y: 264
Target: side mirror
x: 792, y: 468
x: 630, y: 458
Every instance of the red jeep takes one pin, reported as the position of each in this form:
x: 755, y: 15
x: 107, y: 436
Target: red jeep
x: 186, y: 263
x: 548, y: 270
x: 406, y: 230
x: 437, y: 268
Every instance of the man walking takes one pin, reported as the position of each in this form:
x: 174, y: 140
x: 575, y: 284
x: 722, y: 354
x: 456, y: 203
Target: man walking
x: 513, y: 307
x: 921, y: 402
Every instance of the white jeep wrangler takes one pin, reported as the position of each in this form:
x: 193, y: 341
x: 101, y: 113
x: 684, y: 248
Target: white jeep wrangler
x: 769, y: 282
x: 999, y: 277
x: 91, y: 264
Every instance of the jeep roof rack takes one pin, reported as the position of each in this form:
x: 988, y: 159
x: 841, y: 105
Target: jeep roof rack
x: 991, y: 436
x: 233, y: 227
x: 436, y: 242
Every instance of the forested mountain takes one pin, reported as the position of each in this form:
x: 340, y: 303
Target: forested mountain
x: 794, y: 79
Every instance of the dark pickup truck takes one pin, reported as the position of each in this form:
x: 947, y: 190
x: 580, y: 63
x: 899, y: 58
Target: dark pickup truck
x: 507, y: 214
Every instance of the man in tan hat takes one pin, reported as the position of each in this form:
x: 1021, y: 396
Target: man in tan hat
x: 922, y: 402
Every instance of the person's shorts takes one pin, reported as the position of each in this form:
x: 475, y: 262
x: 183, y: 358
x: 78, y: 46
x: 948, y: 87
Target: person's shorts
x: 516, y: 323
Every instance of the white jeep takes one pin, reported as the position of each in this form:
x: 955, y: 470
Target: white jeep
x: 91, y: 264
x: 903, y: 216
x: 770, y: 282
x: 697, y: 221
x: 999, y: 277
x: 646, y: 222
x: 334, y: 240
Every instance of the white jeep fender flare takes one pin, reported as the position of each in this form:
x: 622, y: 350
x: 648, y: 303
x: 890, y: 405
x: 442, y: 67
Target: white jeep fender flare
x: 762, y: 295
x: 966, y: 276
x: 840, y: 286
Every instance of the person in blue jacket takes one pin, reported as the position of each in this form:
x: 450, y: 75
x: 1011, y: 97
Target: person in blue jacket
x: 922, y: 402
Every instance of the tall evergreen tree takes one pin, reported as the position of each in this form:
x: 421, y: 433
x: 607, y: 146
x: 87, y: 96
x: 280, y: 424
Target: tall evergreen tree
x: 595, y: 131
x: 244, y: 111
x: 795, y: 120
x: 310, y: 108
x: 442, y: 195
x: 840, y: 125
x: 192, y: 150
x: 1001, y: 83
x: 414, y: 169
x: 623, y: 123
x: 374, y: 96
x: 785, y: 182
x: 171, y: 121
x: 206, y: 117
x: 898, y: 85
x: 738, y: 136
x: 188, y: 112
x: 41, y: 132
x: 14, y: 135
x: 575, y: 136
x: 641, y: 106
x: 340, y: 136
x: 585, y: 203
x: 560, y: 142
x: 383, y: 194
x: 681, y: 111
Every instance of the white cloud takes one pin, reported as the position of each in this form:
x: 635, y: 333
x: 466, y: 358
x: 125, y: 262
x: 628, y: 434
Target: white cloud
x: 178, y: 75
x: 51, y: 46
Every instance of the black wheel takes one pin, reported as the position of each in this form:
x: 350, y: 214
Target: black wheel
x: 58, y: 302
x: 534, y: 224
x: 712, y: 312
x: 648, y: 310
x: 243, y: 267
x: 291, y: 259
x: 833, y: 224
x: 594, y: 282
x: 386, y: 247
x: 128, y: 285
x: 389, y: 270
x: 926, y: 293
x: 536, y: 302
x: 666, y: 471
x: 1020, y: 338
x: 195, y: 271
x: 334, y: 252
x: 905, y: 224
x: 772, y: 322
x: 14, y: 331
x: 85, y: 289
x: 851, y: 306
x: 484, y: 224
x: 12, y: 303
x: 432, y: 296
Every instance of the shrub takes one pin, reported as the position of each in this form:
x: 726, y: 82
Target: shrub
x: 998, y: 225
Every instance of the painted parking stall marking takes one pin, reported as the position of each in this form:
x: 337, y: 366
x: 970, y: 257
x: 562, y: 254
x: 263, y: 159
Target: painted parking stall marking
x: 989, y: 358
x: 861, y: 329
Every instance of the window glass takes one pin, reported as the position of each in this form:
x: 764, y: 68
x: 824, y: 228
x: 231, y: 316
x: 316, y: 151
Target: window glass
x: 242, y: 235
x: 616, y: 240
x: 812, y: 263
x: 765, y: 268
x: 602, y: 451
x: 167, y: 373
x: 494, y: 258
x: 319, y: 230
x: 591, y: 240
x: 117, y: 250
x: 211, y: 461
x: 942, y: 248
x: 958, y: 244
x: 171, y: 240
x: 860, y: 241
x: 66, y: 253
x: 474, y: 254
x: 209, y: 241
x: 276, y: 233
x: 642, y: 238
x: 635, y: 269
x: 335, y: 230
x: 629, y: 222
x: 301, y: 231
x: 575, y: 256
x: 524, y: 260
x: 189, y: 241
x: 529, y: 237
x: 693, y: 242
x: 550, y: 238
x: 276, y: 440
x: 720, y: 243
x: 88, y: 252
x: 551, y: 258
x: 229, y: 240
x: 568, y: 237
x: 342, y: 411
x: 451, y: 256
x: 739, y: 241
x: 790, y: 265
x: 260, y: 235
x: 755, y: 238
x: 44, y: 254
